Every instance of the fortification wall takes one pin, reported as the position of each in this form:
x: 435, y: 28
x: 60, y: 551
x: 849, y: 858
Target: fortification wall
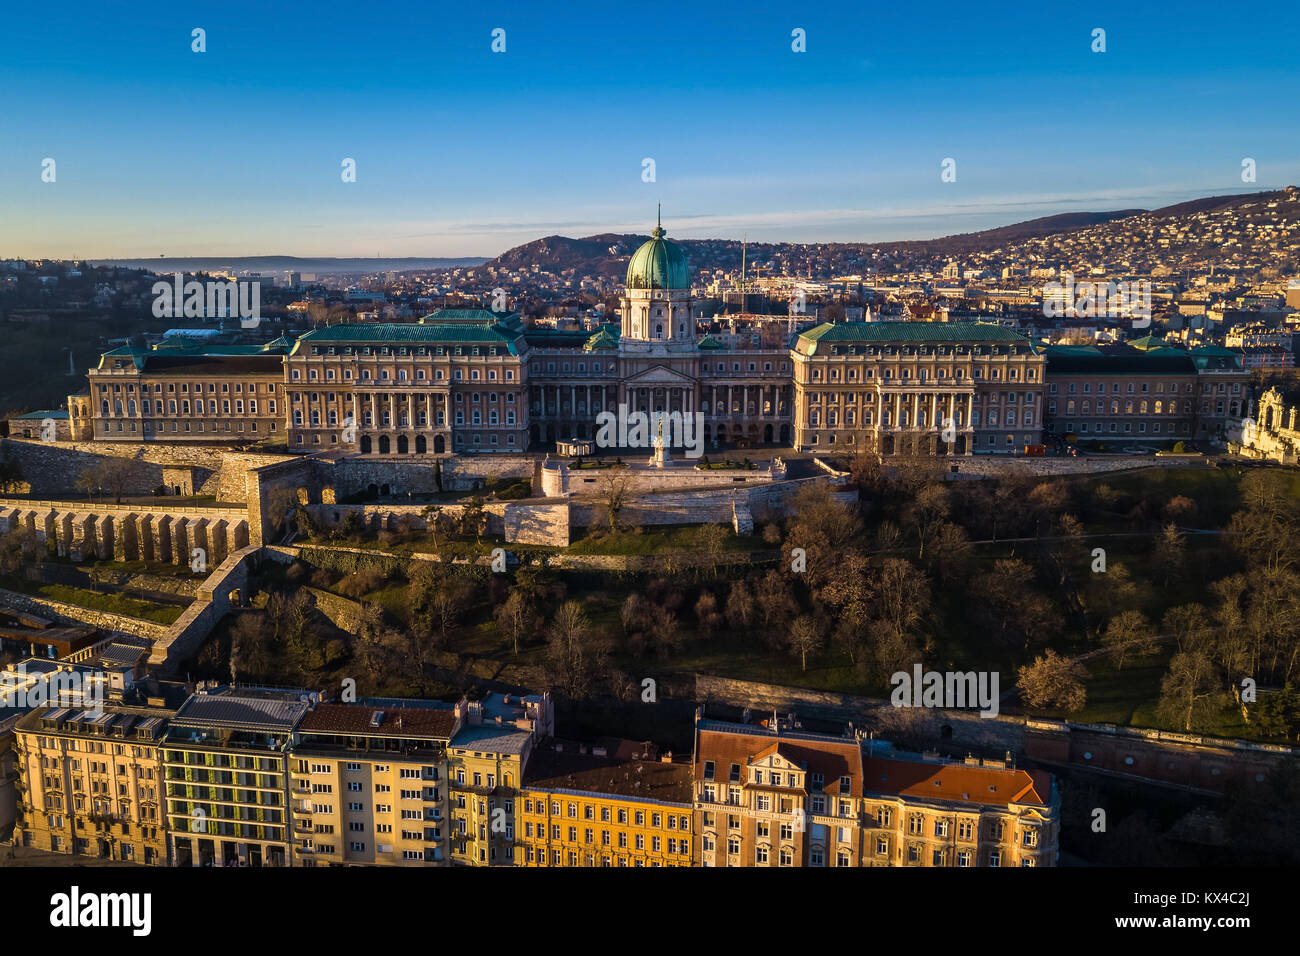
x: 71, y: 613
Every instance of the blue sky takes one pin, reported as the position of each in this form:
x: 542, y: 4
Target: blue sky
x: 462, y: 151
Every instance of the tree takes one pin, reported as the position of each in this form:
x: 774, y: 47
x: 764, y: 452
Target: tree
x: 375, y: 648
x: 576, y: 654
x: 707, y: 616
x: 710, y: 541
x: 1191, y: 692
x: 11, y: 475
x: 928, y: 508
x: 436, y: 522
x: 473, y: 519
x: 776, y: 606
x: 614, y: 488
x: 1190, y: 626
x: 107, y: 475
x: 439, y: 596
x: 806, y: 638
x: 1053, y: 681
x: 516, y: 617
x: 1128, y: 632
x: 1010, y: 605
x: 740, y: 605
x: 1180, y: 508
x: 950, y: 551
x: 902, y: 595
x: 1170, y: 553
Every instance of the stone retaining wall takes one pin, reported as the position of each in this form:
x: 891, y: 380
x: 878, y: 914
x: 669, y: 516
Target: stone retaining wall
x: 74, y: 614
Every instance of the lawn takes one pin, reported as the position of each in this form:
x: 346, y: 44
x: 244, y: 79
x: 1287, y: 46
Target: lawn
x: 113, y: 603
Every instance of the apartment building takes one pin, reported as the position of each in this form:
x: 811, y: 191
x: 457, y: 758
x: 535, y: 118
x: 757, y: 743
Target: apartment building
x: 770, y: 794
x: 368, y: 783
x: 227, y: 760
x: 91, y: 782
x: 920, y: 811
x: 612, y: 803
x: 485, y: 767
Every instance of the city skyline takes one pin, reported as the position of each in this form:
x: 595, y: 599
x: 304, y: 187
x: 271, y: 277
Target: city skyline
x: 464, y: 152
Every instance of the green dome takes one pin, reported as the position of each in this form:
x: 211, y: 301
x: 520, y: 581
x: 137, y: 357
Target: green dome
x: 658, y: 264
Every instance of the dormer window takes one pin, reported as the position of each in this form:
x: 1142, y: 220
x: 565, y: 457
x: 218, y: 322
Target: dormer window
x: 735, y: 773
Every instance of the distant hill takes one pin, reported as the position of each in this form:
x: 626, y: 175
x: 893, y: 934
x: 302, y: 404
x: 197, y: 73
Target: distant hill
x: 607, y: 254
x: 321, y: 266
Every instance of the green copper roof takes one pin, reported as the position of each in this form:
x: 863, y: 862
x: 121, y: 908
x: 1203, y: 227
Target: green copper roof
x: 710, y: 344
x: 884, y: 333
x: 1147, y: 343
x: 658, y: 264
x: 470, y: 316
x: 401, y: 334
x: 601, y: 340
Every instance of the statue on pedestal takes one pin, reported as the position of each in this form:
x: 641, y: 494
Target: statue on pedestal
x: 661, y: 457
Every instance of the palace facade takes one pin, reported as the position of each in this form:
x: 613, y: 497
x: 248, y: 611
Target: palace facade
x: 475, y: 381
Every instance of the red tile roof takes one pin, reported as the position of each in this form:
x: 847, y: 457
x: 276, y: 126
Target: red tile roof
x: 957, y: 782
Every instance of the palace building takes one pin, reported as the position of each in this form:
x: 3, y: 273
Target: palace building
x: 473, y: 381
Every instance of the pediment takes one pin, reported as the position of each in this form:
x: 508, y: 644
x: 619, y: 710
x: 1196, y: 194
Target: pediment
x: 659, y: 375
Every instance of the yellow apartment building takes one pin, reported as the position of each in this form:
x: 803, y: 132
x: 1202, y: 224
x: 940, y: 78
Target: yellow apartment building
x: 90, y: 782
x: 485, y: 765
x: 612, y: 804
x: 368, y: 783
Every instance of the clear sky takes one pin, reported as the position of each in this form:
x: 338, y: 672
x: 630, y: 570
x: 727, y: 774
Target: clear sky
x: 462, y: 151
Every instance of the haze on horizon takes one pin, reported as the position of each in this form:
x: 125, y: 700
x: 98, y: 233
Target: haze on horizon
x: 464, y: 152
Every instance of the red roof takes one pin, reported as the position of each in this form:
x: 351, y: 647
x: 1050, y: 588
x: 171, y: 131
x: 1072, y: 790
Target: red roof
x: 957, y: 782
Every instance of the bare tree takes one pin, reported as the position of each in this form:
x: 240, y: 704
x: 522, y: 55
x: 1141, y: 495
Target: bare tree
x: 1053, y: 681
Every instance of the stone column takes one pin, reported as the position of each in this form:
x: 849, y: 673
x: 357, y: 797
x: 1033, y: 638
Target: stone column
x: 61, y: 529
x: 181, y: 541
x: 218, y: 545
x: 146, y: 538
x: 198, y: 532
x: 126, y: 543
x: 104, y: 537
x: 163, y: 539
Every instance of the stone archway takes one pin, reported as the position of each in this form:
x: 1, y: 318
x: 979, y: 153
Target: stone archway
x: 403, y: 446
x: 365, y: 444
x: 767, y: 434
x: 785, y: 434
x: 383, y: 444
x: 439, y: 444
x: 421, y: 445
